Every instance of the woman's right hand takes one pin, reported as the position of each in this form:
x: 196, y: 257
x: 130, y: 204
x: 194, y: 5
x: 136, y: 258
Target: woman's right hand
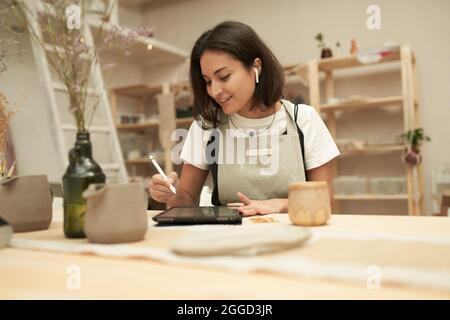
x: 159, y: 188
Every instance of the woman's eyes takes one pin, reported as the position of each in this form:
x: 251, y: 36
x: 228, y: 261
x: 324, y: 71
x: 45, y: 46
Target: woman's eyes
x: 208, y: 82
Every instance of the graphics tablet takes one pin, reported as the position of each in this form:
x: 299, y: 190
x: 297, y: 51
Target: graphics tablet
x: 199, y: 215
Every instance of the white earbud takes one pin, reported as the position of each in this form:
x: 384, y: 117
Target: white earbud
x: 257, y: 74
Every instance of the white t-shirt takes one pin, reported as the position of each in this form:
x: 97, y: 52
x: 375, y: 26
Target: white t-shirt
x: 318, y: 143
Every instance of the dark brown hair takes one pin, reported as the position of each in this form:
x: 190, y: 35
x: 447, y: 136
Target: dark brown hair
x: 242, y: 43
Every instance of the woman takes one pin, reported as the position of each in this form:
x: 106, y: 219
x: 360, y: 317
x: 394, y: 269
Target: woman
x: 237, y: 84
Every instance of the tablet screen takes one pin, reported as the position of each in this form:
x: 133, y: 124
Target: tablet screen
x: 199, y: 215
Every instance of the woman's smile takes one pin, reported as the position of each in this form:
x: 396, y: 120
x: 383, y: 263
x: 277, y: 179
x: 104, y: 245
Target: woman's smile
x: 225, y: 102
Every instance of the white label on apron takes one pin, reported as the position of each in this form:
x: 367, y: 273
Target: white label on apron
x: 258, y: 152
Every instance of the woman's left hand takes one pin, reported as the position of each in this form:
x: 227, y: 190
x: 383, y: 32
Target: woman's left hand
x: 250, y: 207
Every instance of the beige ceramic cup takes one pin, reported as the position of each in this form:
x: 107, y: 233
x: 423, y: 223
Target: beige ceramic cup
x: 309, y: 203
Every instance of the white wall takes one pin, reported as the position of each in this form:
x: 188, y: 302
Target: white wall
x: 129, y: 17
x: 31, y: 126
x: 169, y: 73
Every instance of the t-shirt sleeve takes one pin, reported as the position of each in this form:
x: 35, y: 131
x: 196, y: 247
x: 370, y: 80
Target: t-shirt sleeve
x: 319, y: 144
x: 193, y: 151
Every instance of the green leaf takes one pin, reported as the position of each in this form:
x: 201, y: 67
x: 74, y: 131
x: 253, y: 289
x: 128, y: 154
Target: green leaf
x: 415, y: 137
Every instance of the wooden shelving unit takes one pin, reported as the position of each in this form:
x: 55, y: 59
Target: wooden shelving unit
x: 159, y: 130
x: 372, y: 197
x: 310, y: 75
x: 138, y: 161
x: 138, y: 126
x: 152, y: 124
x: 143, y: 53
x: 330, y: 64
x: 372, y: 149
x: 362, y: 103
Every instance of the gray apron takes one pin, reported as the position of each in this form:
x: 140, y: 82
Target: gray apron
x: 261, y: 167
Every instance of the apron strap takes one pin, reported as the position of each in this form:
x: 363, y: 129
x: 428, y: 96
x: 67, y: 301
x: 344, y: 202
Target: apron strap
x: 301, y: 138
x: 213, y: 167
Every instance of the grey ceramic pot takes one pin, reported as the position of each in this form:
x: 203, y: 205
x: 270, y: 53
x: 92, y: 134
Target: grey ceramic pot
x: 115, y: 213
x: 26, y: 202
x: 5, y: 233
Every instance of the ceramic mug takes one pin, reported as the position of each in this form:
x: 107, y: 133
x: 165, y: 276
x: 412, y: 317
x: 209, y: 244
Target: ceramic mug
x: 26, y: 202
x: 309, y: 203
x: 115, y: 213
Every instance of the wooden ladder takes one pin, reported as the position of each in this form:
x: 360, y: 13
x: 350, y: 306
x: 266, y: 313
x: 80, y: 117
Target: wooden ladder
x: 107, y: 150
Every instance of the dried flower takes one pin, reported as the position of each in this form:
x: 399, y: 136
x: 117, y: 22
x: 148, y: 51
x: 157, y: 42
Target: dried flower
x: 127, y: 36
x: 109, y: 66
x: 5, y: 116
x: 10, y: 54
x: 75, y: 59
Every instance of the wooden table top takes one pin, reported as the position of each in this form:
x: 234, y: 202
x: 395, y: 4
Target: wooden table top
x: 27, y: 274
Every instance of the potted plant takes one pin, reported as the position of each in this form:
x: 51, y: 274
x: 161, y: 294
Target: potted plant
x: 325, y: 51
x: 73, y: 64
x: 414, y: 139
x: 338, y: 49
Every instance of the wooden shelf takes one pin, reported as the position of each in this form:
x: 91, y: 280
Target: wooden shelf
x: 299, y: 72
x: 372, y: 197
x: 138, y: 126
x: 143, y: 4
x: 142, y: 90
x: 359, y: 104
x: 138, y: 161
x: 184, y: 121
x: 296, y: 73
x: 372, y: 149
x: 132, y: 3
x: 152, y: 124
x: 138, y: 91
x: 330, y: 64
x: 143, y: 160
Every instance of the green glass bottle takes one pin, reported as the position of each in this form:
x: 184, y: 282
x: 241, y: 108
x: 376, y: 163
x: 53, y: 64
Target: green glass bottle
x: 81, y: 172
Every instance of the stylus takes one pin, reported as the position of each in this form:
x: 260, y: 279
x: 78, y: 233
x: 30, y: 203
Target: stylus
x: 152, y: 159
